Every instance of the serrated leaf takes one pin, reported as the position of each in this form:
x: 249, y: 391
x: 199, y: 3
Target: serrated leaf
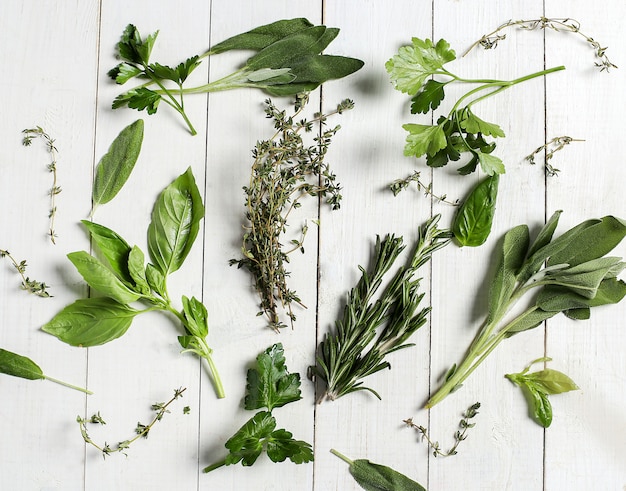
x: 423, y: 139
x: 490, y: 164
x: 139, y: 98
x: 281, y: 445
x: 246, y: 445
x: 473, y: 124
x: 428, y: 98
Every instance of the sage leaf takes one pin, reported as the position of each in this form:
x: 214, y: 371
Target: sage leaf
x: 91, y: 322
x: 175, y: 223
x: 545, y: 234
x: 585, y: 278
x: 472, y: 223
x: 114, y: 248
x: 558, y: 298
x: 529, y: 320
x: 101, y: 278
x: 115, y: 167
x: 19, y: 366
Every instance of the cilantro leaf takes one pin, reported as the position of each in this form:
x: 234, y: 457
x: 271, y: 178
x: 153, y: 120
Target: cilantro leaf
x: 429, y: 97
x: 423, y: 139
x: 281, y: 445
x: 271, y: 385
x: 247, y: 444
x: 473, y: 124
x: 413, y: 64
x: 140, y: 99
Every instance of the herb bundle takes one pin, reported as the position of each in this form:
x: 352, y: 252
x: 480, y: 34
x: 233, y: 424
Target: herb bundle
x: 288, y: 61
x: 125, y: 279
x: 285, y: 170
x: 343, y: 358
x: 570, y: 274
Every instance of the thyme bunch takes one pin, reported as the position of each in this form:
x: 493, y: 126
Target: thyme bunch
x: 29, y: 135
x: 400, y: 185
x: 550, y: 148
x: 35, y: 287
x: 491, y: 40
x: 141, y: 430
x: 285, y: 170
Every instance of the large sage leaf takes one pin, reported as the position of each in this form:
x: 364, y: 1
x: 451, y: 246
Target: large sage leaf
x: 585, y: 278
x: 175, y: 223
x: 115, y: 167
x: 114, y: 248
x: 19, y: 366
x: 91, y: 322
x: 101, y: 278
x: 559, y: 298
x: 472, y: 223
x: 545, y: 234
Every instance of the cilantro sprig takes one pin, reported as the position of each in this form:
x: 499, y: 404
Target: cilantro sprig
x: 418, y: 70
x: 270, y: 385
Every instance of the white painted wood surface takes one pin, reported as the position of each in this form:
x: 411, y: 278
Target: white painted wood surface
x: 55, y: 56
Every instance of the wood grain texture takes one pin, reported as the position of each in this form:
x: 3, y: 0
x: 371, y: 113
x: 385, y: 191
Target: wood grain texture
x: 56, y: 55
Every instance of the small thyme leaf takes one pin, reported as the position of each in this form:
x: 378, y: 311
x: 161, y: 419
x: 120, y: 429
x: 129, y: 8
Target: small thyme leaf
x: 400, y: 185
x: 29, y: 135
x: 38, y: 288
x: 459, y: 435
x: 550, y: 148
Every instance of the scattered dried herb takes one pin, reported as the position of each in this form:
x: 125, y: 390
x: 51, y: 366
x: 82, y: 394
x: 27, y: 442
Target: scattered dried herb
x: 38, y: 288
x: 549, y: 149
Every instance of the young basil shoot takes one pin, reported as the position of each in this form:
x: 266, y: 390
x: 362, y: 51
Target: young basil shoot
x: 473, y: 220
x: 359, y: 345
x: 115, y: 166
x: 538, y: 385
x: 141, y: 431
x: 376, y: 477
x: 38, y: 288
x: 570, y: 274
x: 460, y: 131
x: 270, y: 385
x: 288, y: 61
x: 20, y: 366
x: 125, y: 279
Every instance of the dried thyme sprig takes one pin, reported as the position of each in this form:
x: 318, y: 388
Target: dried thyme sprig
x: 459, y: 435
x: 400, y: 185
x: 29, y: 135
x: 372, y: 329
x: 490, y: 41
x: 550, y: 148
x: 285, y: 170
x: 141, y: 430
x: 38, y: 288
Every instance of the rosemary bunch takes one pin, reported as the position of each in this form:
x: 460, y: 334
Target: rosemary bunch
x: 357, y: 349
x: 285, y: 170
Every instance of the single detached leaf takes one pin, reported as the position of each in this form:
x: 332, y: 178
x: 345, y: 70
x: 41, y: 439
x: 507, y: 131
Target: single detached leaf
x: 115, y: 167
x: 114, y: 248
x: 473, y: 220
x: 423, y: 139
x: 246, y: 445
x: 91, y: 322
x: 175, y: 223
x: 19, y: 366
x: 428, y: 98
x: 270, y: 385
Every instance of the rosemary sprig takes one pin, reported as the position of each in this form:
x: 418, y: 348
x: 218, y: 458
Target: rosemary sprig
x: 285, y: 170
x: 355, y: 350
x: 550, y: 148
x: 29, y: 135
x: 141, y: 430
x: 491, y: 40
x: 459, y: 435
x: 400, y: 185
x: 32, y: 286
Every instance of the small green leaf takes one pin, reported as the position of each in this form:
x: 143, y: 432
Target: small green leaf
x: 551, y: 381
x: 545, y: 234
x: 473, y: 220
x: 561, y: 299
x: 246, y: 445
x: 196, y: 315
x: 428, y: 98
x: 138, y: 98
x: 281, y: 445
x: 584, y: 279
x: 156, y: 280
x: 19, y: 366
x: 490, y: 164
x: 114, y: 248
x: 137, y: 270
x: 473, y: 124
x: 423, y: 139
x: 542, y: 408
x: 115, y: 166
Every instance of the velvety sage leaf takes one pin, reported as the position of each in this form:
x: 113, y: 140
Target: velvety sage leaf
x: 584, y: 279
x: 101, y: 278
x: 473, y: 220
x: 175, y: 223
x: 545, y: 234
x: 114, y: 248
x: 137, y: 270
x: 115, y: 166
x: 376, y: 477
x: 580, y: 314
x: 262, y: 36
x: 551, y: 381
x: 529, y: 320
x: 91, y: 322
x: 19, y: 366
x: 272, y: 76
x: 320, y: 68
x: 558, y: 298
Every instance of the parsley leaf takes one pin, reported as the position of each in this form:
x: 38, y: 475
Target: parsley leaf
x: 424, y: 139
x: 429, y: 97
x: 247, y: 443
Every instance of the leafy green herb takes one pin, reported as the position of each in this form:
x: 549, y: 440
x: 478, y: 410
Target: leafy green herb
x: 269, y: 385
x: 125, y: 278
x: 473, y: 220
x: 38, y: 132
x: 355, y: 350
x: 285, y: 170
x: 570, y: 274
x: 461, y: 131
x: 549, y: 149
x: 538, y: 385
x: 459, y: 435
x: 400, y: 185
x: 20, y: 366
x: 376, y: 477
x: 141, y: 431
x: 38, y: 288
x: 288, y: 61
x: 116, y: 165
x: 491, y: 40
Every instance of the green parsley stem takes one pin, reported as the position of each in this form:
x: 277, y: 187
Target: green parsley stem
x: 214, y: 466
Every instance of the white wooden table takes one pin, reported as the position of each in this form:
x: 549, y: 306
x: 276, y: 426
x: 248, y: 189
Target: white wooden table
x: 55, y: 56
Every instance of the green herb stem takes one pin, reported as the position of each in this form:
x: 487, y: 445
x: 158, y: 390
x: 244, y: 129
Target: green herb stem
x: 341, y: 456
x: 66, y: 384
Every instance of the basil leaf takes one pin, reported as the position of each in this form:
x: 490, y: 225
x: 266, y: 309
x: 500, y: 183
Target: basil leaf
x: 472, y: 223
x: 19, y: 366
x: 137, y: 270
x: 114, y: 248
x: 175, y: 223
x: 156, y: 280
x: 542, y: 408
x: 115, y: 167
x: 100, y: 278
x: 196, y: 315
x: 551, y: 381
x: 91, y: 322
